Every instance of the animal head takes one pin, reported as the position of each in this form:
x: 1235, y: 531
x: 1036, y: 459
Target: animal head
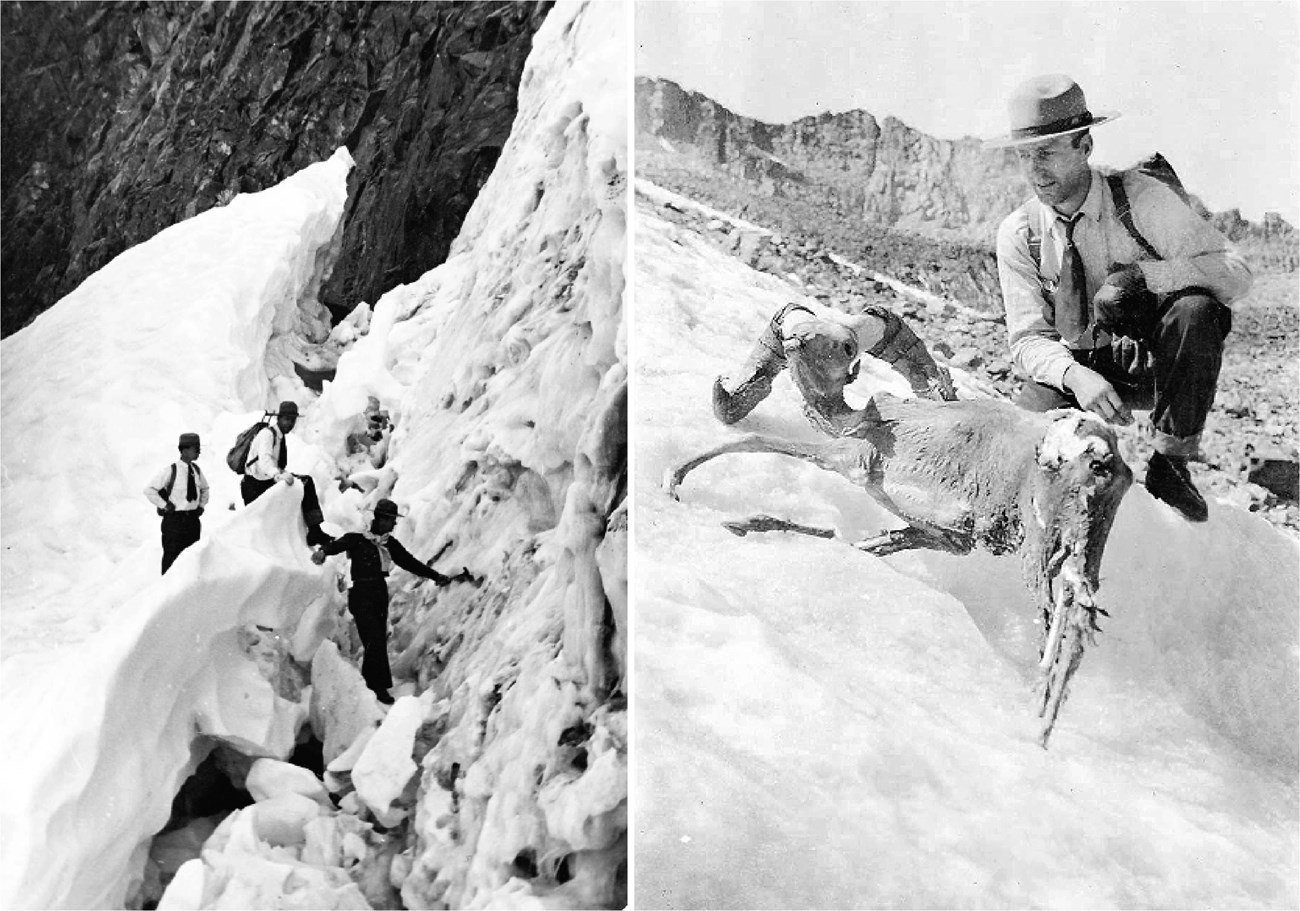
x: 823, y: 359
x: 1077, y: 489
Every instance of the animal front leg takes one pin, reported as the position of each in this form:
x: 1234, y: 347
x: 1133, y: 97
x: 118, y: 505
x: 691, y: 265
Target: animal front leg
x: 762, y: 523
x: 883, y: 544
x: 913, y: 536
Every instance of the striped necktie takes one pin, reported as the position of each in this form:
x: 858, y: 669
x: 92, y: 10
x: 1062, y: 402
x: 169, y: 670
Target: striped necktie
x: 191, y: 489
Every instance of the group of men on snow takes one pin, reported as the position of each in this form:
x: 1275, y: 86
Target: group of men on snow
x: 180, y: 493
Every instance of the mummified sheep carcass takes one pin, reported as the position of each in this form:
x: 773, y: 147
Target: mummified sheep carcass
x: 963, y: 474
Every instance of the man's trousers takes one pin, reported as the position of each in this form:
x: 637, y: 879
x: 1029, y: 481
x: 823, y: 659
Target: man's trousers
x: 180, y: 529
x: 368, y: 605
x: 1187, y: 342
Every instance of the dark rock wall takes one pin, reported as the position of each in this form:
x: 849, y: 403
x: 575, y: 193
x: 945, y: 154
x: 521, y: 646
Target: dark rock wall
x: 120, y: 119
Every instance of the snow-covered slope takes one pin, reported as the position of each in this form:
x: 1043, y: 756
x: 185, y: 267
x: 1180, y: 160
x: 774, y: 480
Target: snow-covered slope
x: 103, y: 663
x: 817, y: 727
x: 504, y: 374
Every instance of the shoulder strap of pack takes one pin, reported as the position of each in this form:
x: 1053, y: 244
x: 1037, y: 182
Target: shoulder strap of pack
x: 166, y: 490
x: 1033, y: 237
x: 1124, y: 212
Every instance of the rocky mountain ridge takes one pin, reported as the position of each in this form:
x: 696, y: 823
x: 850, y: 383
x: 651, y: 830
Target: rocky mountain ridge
x: 122, y: 119
x: 894, y: 195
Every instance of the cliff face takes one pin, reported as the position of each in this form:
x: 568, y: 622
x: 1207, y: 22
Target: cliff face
x: 881, y: 173
x: 122, y: 119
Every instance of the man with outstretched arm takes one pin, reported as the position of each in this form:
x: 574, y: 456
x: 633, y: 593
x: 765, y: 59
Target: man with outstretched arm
x: 179, y: 492
x: 1116, y: 292
x: 373, y: 554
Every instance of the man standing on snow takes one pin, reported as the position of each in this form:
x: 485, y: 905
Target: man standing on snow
x: 179, y: 492
x: 269, y: 454
x: 373, y: 554
x: 1115, y: 290
x: 267, y: 457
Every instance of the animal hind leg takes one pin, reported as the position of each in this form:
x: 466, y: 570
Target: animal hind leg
x: 831, y: 456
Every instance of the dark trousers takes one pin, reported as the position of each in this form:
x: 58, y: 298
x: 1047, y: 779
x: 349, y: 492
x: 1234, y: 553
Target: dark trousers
x: 179, y: 531
x: 368, y: 605
x: 1187, y: 341
x: 251, y: 488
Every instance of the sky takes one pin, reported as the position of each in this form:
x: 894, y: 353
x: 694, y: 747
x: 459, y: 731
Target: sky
x: 817, y: 727
x: 1215, y: 86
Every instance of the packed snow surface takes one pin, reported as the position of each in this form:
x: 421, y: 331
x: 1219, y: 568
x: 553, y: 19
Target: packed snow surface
x: 818, y: 728
x: 101, y: 656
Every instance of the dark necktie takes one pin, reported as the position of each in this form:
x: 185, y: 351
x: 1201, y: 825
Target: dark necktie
x: 284, y: 451
x: 191, y: 489
x: 1071, y: 298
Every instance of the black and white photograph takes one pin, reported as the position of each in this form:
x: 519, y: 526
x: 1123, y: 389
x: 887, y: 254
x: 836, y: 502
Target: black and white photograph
x: 964, y: 543
x: 314, y: 455
x: 663, y: 454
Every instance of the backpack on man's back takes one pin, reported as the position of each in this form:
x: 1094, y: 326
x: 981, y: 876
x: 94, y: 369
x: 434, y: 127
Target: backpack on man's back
x: 237, y: 458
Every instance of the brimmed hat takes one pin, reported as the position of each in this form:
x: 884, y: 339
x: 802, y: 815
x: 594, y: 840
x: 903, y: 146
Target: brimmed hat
x: 1045, y: 107
x: 386, y: 508
x: 288, y: 409
x: 188, y: 439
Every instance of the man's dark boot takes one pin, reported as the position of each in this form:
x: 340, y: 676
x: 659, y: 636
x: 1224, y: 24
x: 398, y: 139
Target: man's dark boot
x: 1168, y: 479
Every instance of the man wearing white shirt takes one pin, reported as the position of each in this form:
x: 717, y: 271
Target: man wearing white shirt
x: 269, y: 454
x: 268, y: 458
x: 179, y: 492
x: 1116, y: 292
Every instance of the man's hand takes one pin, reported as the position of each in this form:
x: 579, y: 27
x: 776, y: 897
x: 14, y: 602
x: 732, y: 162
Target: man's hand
x: 1124, y: 305
x: 318, y: 556
x: 198, y: 511
x: 285, y: 477
x: 1093, y: 393
x: 169, y: 506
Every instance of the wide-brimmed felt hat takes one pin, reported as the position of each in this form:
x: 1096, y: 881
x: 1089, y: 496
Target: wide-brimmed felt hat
x: 1045, y: 107
x: 188, y: 439
x: 288, y: 409
x: 386, y: 508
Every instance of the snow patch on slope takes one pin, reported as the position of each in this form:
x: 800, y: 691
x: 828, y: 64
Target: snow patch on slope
x: 817, y: 727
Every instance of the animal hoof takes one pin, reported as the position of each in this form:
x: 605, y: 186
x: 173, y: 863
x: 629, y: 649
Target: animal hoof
x: 671, y: 482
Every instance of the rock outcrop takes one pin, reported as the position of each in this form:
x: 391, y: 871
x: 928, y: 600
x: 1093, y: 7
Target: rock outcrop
x: 884, y: 192
x: 122, y: 119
